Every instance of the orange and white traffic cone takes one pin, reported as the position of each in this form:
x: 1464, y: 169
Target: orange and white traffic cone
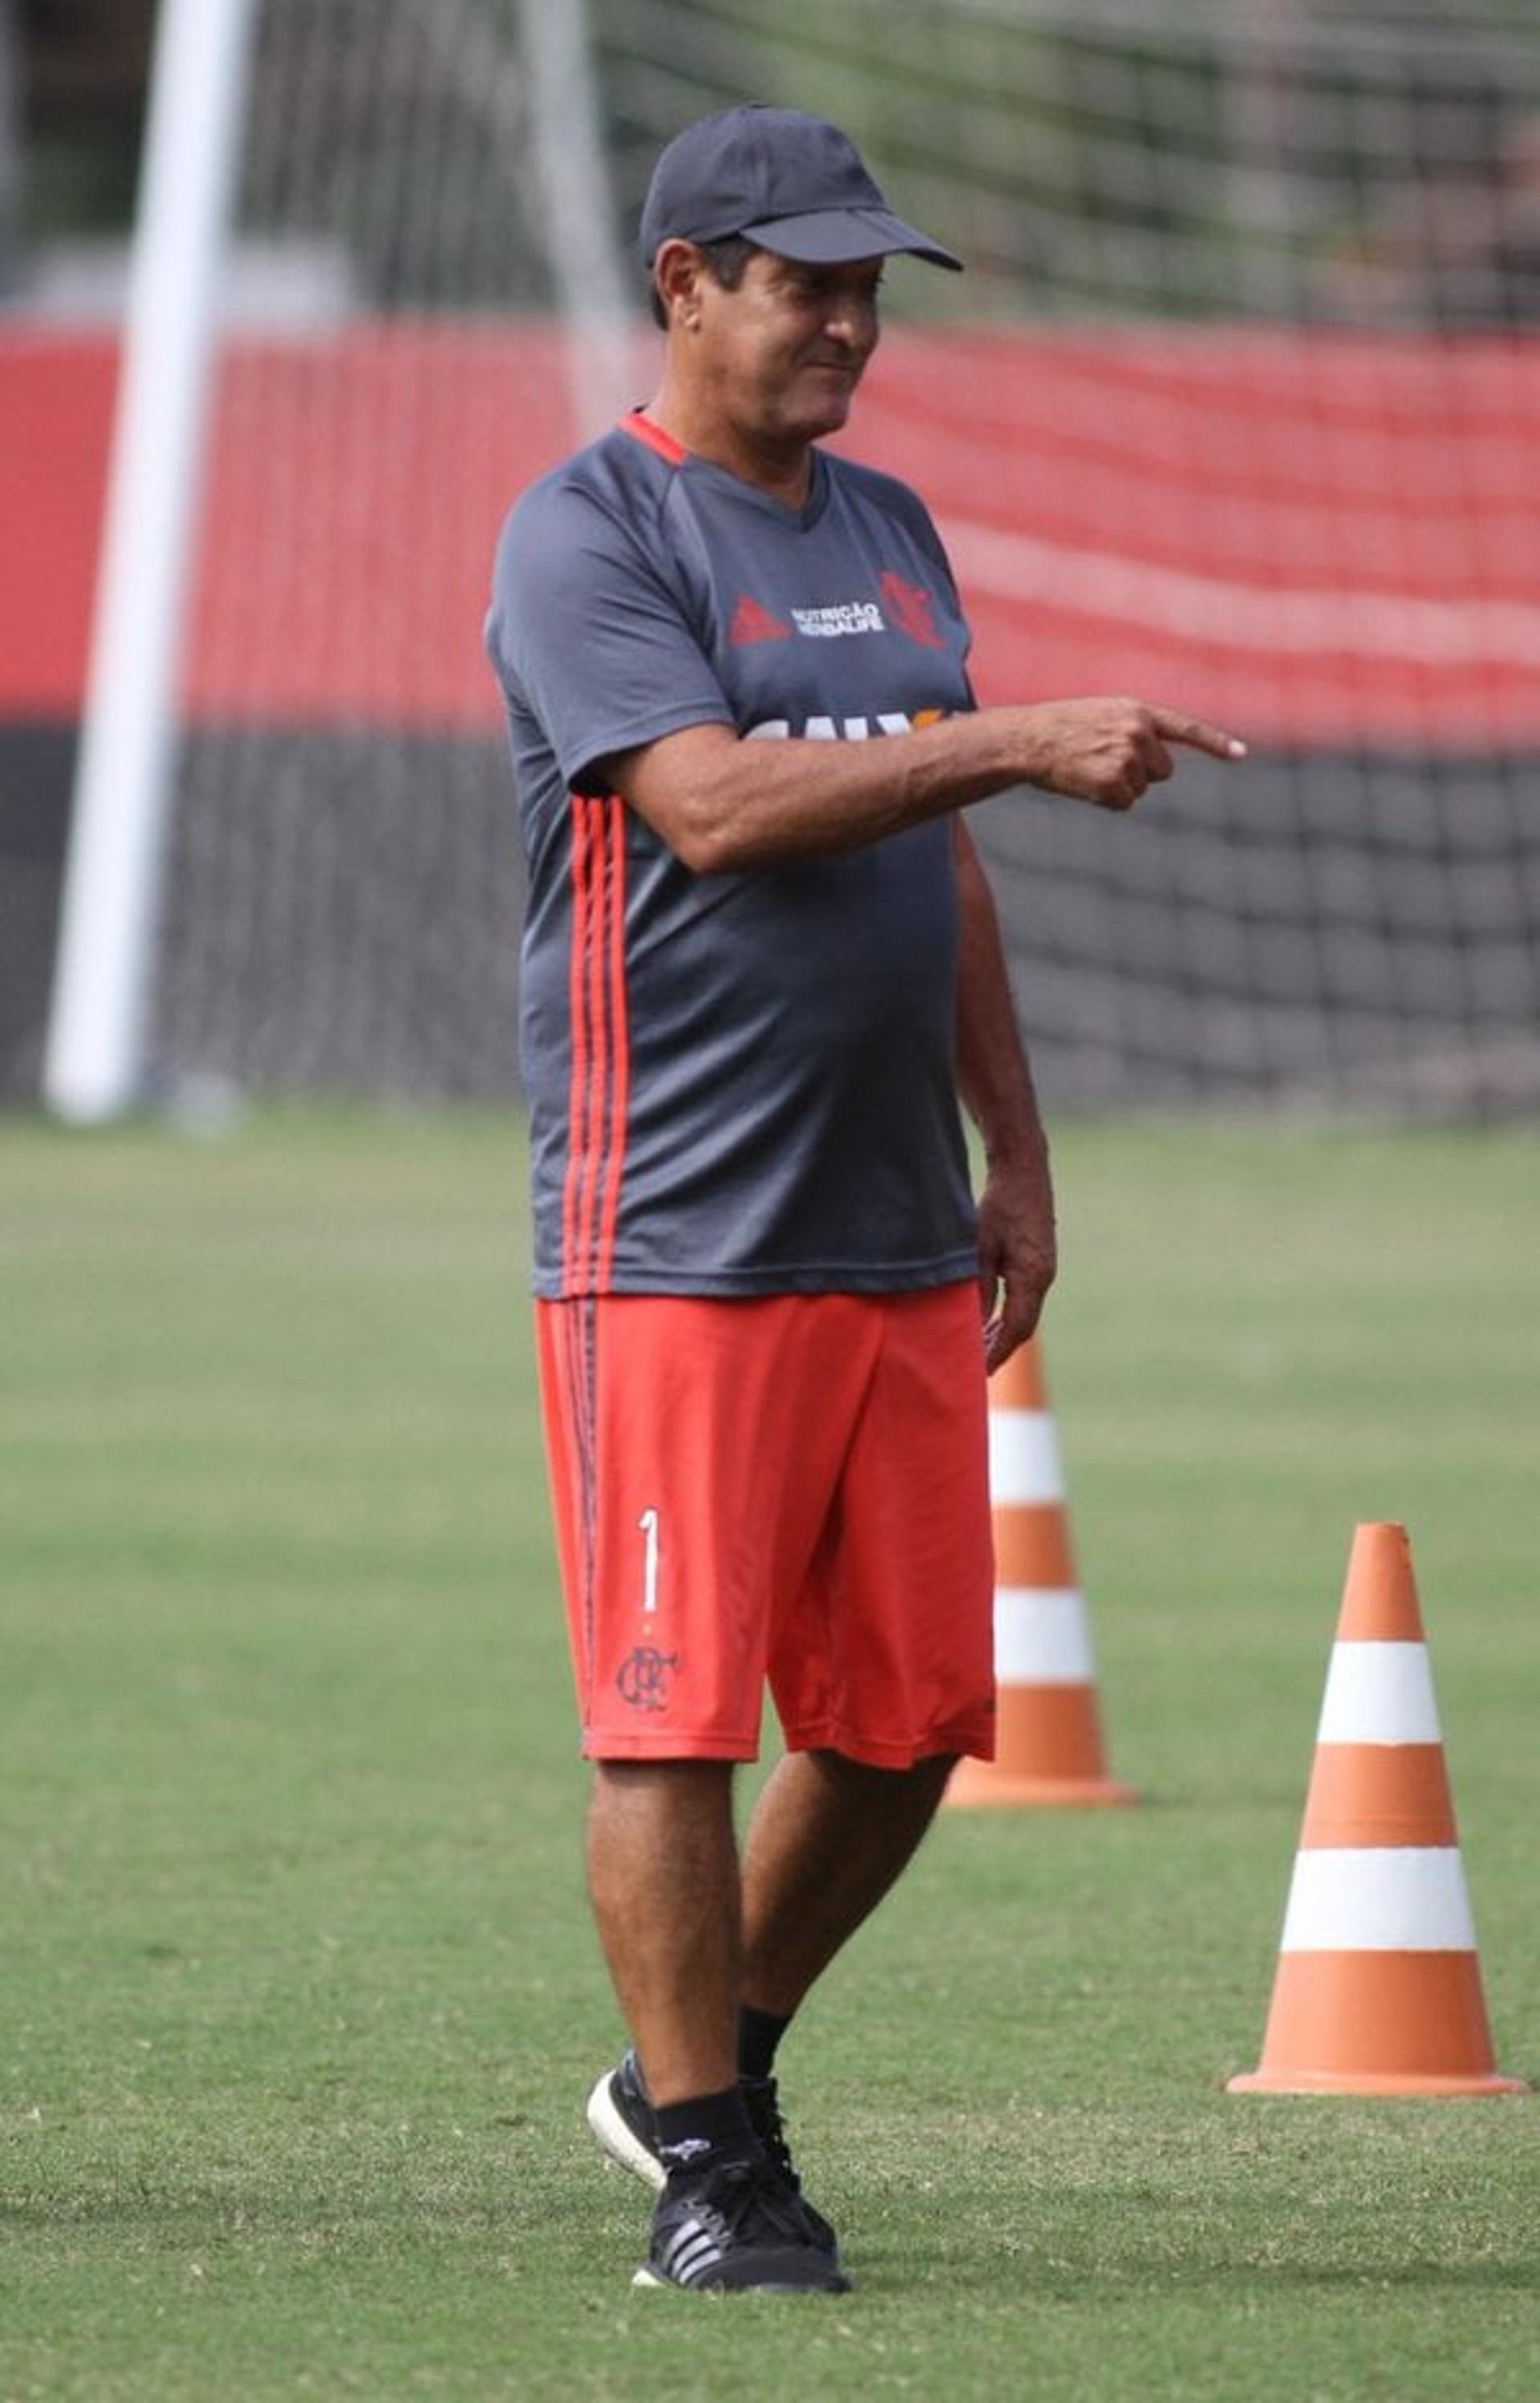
x: 1378, y: 1987
x: 1049, y: 1744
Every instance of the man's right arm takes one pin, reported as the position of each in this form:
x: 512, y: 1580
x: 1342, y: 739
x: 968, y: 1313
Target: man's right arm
x: 722, y: 802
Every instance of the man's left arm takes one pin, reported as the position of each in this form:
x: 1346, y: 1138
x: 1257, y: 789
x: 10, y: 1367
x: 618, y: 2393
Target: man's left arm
x: 1016, y: 1252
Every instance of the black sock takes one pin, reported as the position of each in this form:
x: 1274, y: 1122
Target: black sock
x: 758, y: 2034
x: 704, y: 2132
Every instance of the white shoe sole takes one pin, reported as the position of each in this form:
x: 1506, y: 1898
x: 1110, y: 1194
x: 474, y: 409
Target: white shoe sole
x: 648, y: 2277
x: 619, y: 2141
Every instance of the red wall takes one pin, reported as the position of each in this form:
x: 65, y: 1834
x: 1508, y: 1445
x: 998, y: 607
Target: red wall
x: 1318, y: 538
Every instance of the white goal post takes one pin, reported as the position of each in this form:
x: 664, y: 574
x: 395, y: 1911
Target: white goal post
x: 96, y: 1048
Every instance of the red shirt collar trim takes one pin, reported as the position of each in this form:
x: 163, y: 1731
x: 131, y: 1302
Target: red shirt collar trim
x: 638, y: 423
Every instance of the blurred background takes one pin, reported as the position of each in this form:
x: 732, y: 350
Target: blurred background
x: 1237, y: 407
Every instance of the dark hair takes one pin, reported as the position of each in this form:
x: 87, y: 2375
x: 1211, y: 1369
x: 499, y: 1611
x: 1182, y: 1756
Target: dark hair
x: 726, y: 263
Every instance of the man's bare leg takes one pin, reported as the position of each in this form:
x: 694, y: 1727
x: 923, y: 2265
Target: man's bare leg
x: 663, y: 1875
x: 827, y: 1839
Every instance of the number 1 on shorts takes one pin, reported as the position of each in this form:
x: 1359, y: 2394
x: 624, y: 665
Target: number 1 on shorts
x: 648, y: 1525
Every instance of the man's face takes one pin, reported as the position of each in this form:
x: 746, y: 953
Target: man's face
x: 784, y: 353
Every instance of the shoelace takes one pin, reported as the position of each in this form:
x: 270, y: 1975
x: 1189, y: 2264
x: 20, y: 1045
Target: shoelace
x: 764, y: 2109
x: 738, y: 2197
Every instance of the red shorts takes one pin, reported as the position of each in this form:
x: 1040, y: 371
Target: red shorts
x: 794, y: 1487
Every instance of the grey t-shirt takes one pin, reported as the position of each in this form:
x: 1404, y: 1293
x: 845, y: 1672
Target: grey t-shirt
x: 741, y: 1083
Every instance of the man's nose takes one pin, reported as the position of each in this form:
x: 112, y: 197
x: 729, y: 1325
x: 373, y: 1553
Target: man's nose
x: 853, y: 320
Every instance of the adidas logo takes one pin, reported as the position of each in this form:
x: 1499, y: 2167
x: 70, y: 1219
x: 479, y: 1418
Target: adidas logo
x: 752, y: 622
x: 691, y: 2251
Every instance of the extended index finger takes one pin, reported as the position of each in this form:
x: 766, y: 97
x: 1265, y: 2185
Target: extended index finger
x: 1198, y: 734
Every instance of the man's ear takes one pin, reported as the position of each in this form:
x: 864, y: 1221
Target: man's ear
x: 676, y: 274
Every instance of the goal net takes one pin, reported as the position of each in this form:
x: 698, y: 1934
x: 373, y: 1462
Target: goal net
x: 1238, y: 408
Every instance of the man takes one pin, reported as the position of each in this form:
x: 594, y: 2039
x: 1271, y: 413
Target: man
x: 761, y: 965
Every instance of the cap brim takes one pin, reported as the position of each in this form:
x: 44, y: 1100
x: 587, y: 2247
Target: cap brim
x: 831, y: 237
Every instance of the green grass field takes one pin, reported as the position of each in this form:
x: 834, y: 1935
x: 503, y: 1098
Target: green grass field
x: 299, y: 2001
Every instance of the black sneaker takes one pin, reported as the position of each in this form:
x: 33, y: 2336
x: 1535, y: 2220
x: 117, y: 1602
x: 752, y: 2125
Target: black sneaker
x: 620, y: 2116
x: 733, y: 2228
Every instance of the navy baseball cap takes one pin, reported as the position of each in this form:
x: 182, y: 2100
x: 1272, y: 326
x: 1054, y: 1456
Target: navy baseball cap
x: 792, y: 183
